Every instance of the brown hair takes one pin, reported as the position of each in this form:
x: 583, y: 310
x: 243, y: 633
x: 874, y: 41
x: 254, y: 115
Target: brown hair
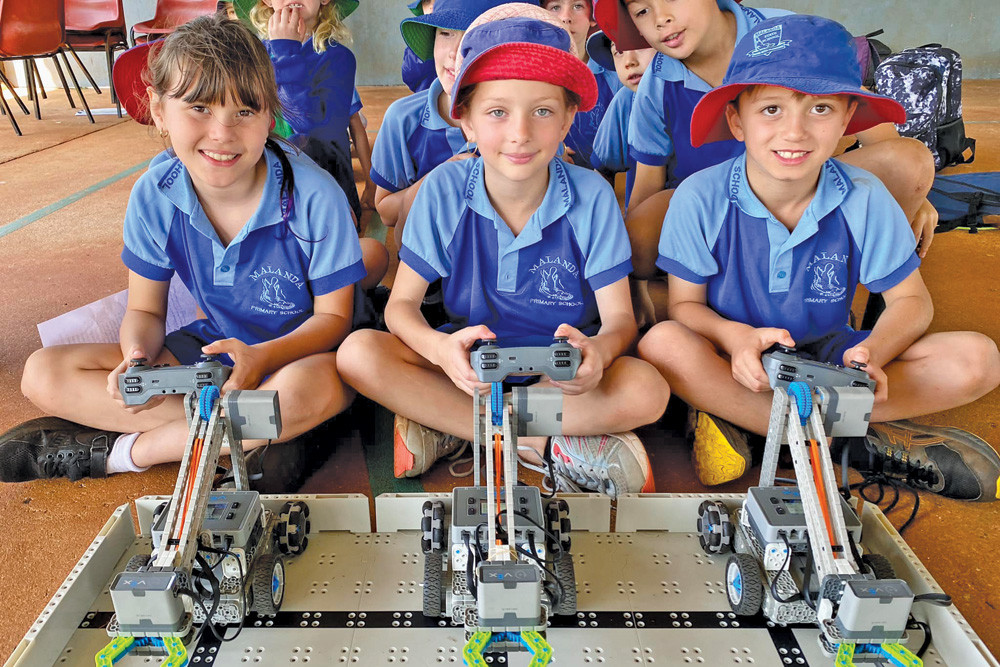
x: 329, y: 24
x: 464, y: 98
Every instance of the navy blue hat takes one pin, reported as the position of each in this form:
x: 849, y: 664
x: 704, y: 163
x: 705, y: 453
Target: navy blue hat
x: 599, y: 48
x: 807, y: 54
x: 525, y: 42
x: 418, y: 32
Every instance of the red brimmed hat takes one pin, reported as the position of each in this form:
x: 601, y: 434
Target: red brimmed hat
x: 807, y: 54
x: 522, y: 41
x: 614, y: 20
x: 130, y: 85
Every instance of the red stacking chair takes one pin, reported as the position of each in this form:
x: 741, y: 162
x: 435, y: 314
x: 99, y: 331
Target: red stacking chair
x: 171, y: 14
x: 97, y: 25
x: 32, y: 29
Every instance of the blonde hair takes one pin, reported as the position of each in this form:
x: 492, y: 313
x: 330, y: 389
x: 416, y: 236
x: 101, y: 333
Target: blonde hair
x: 329, y: 24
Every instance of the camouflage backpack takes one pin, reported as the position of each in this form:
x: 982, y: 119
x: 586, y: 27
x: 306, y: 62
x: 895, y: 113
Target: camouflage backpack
x: 927, y: 81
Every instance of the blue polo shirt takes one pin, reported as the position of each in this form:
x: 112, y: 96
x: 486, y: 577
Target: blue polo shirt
x: 316, y: 89
x: 262, y: 285
x: 413, y: 139
x: 611, y: 143
x: 660, y: 126
x: 417, y: 74
x: 522, y: 287
x: 718, y: 233
x: 581, y: 133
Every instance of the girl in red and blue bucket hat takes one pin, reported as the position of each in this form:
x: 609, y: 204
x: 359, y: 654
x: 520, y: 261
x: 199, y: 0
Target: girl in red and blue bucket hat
x: 527, y: 247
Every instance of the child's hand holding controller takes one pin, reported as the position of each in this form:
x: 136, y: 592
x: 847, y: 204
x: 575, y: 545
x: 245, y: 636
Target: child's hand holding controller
x: 249, y: 363
x: 859, y: 357
x: 453, y: 357
x: 137, y: 354
x: 591, y: 369
x: 745, y: 357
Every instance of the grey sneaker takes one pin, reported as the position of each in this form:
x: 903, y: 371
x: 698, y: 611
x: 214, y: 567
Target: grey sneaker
x: 940, y: 459
x: 417, y: 447
x: 52, y: 447
x: 611, y: 464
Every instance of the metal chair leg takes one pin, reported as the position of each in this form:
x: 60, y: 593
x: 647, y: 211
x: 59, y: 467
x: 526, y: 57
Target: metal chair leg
x: 79, y: 62
x: 76, y: 83
x: 29, y: 64
x: 38, y: 77
x: 5, y: 81
x: 6, y: 108
x: 62, y: 77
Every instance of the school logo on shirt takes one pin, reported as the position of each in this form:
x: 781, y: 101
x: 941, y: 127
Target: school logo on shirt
x: 273, y: 287
x: 767, y: 42
x: 827, y: 272
x: 552, y: 275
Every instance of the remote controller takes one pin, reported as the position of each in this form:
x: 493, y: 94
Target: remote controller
x: 493, y: 363
x: 140, y: 382
x: 784, y: 367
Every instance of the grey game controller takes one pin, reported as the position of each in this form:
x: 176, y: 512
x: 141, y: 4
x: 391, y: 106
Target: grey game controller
x: 783, y: 367
x: 140, y: 382
x: 493, y: 363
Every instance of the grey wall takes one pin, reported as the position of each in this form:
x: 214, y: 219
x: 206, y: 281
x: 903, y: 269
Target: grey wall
x: 971, y: 27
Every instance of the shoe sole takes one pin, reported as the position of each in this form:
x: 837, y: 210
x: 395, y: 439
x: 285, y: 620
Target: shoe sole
x: 403, y: 461
x: 720, y: 453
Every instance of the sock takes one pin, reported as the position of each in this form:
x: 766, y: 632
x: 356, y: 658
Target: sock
x: 120, y: 456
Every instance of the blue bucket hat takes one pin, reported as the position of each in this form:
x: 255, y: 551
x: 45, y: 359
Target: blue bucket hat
x: 807, y: 54
x: 599, y: 49
x: 418, y: 32
x: 415, y: 7
x: 523, y: 42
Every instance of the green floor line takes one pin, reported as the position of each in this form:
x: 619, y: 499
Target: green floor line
x: 66, y: 201
x: 378, y: 455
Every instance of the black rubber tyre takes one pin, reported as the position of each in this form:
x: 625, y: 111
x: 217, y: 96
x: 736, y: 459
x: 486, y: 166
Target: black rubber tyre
x: 292, y: 530
x: 268, y: 584
x: 715, y: 530
x: 879, y: 565
x: 566, y: 574
x: 137, y: 561
x: 433, y: 594
x: 744, y: 588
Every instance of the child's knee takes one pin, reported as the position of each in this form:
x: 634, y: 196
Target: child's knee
x: 666, y: 342
x: 40, y: 377
x: 982, y: 362
x: 358, y: 354
x: 918, y: 161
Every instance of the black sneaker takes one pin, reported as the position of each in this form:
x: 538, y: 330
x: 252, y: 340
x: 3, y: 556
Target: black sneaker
x: 53, y: 447
x: 943, y: 460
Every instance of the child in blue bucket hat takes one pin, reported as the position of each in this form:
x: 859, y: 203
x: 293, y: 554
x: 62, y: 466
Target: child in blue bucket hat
x: 527, y: 247
x: 770, y: 246
x: 417, y: 134
x: 417, y: 74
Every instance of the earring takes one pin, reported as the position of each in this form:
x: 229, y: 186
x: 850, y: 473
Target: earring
x: 164, y: 134
x: 470, y: 147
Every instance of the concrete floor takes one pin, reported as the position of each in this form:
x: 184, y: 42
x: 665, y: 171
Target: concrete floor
x: 63, y: 189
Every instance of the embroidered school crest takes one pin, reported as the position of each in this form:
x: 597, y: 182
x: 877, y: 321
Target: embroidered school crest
x: 825, y: 281
x: 273, y: 287
x: 273, y: 296
x: 552, y: 276
x: 767, y: 42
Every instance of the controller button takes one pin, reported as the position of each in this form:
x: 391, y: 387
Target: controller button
x: 787, y: 368
x: 562, y: 353
x: 786, y: 378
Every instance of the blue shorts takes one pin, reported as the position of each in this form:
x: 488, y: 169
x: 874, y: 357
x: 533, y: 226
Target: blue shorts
x: 186, y: 346
x: 830, y: 348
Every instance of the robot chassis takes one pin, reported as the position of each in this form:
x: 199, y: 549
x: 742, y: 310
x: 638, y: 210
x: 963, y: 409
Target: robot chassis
x: 501, y: 564
x: 796, y: 555
x: 217, y: 554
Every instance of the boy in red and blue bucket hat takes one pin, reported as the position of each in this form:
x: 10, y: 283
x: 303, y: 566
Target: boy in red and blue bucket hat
x: 527, y: 247
x: 416, y: 133
x: 769, y: 247
x: 695, y: 40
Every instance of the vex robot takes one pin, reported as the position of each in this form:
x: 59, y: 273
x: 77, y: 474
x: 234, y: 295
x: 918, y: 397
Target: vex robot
x: 500, y: 564
x: 217, y: 554
x: 797, y: 547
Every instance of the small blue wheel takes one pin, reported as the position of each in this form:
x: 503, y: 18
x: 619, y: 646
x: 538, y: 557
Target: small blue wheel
x: 206, y: 400
x: 802, y: 395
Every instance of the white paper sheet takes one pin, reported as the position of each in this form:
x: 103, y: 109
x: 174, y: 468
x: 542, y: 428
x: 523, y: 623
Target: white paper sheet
x: 98, y: 322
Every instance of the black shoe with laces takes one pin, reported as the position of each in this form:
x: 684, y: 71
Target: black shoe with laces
x: 51, y: 447
x: 944, y: 460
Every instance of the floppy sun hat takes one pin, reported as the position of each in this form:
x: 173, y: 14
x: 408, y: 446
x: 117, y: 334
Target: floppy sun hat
x: 129, y: 84
x: 807, y: 54
x: 522, y: 41
x: 418, y: 32
x: 415, y: 7
x: 600, y: 50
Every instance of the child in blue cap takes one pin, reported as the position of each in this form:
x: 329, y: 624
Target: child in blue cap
x: 418, y: 74
x: 417, y: 134
x: 769, y: 247
x: 611, y: 154
x: 527, y: 247
x: 695, y: 41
